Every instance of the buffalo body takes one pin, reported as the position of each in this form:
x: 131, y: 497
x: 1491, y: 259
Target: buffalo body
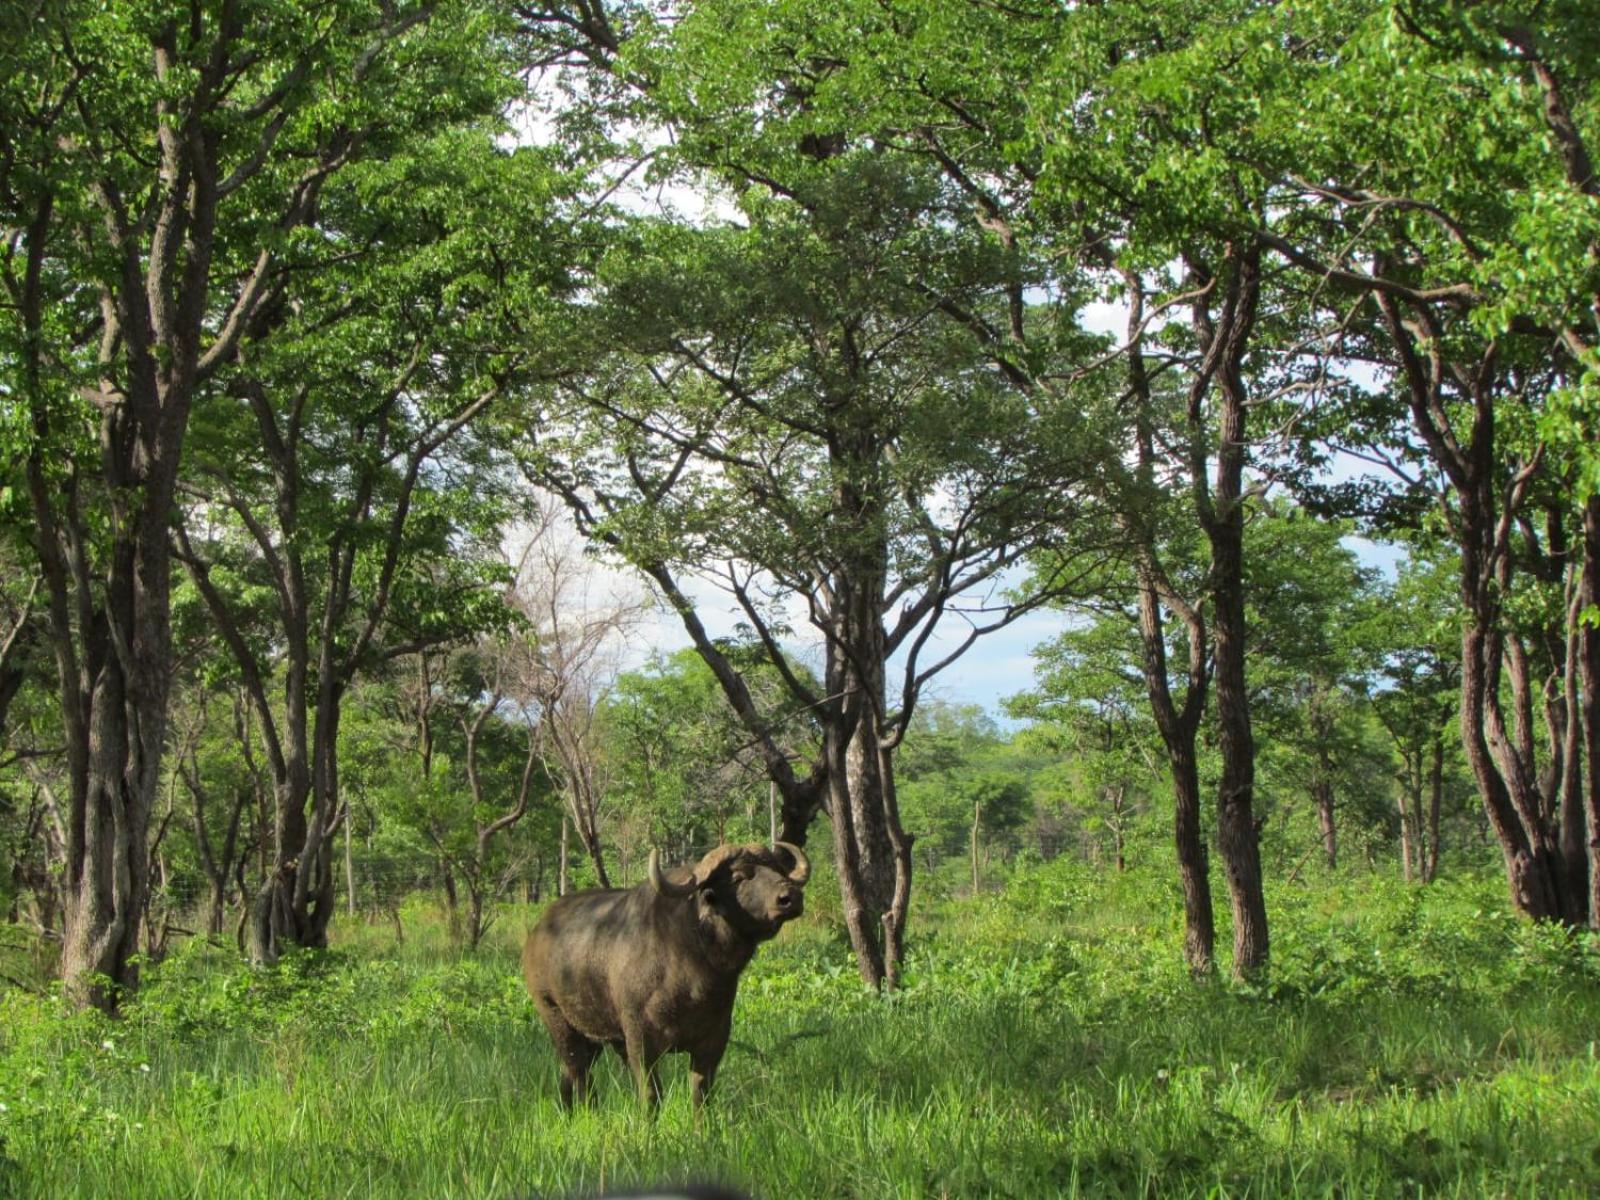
x: 654, y: 969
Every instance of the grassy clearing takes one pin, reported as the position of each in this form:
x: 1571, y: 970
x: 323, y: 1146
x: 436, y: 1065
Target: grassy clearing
x: 1411, y: 1043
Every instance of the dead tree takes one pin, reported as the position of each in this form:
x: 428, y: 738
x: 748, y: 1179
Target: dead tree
x: 575, y: 629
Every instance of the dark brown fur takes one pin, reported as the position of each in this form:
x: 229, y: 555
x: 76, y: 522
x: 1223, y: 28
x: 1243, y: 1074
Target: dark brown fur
x: 648, y: 972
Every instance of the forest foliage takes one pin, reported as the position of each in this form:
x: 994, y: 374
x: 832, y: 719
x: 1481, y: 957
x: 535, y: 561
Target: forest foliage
x: 450, y: 449
x: 373, y: 375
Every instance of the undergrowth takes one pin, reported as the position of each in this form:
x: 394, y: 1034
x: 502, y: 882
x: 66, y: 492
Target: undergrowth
x: 1047, y: 1041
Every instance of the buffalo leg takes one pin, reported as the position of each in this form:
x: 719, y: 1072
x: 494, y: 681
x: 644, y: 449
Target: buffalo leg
x: 576, y: 1052
x: 642, y: 1056
x: 621, y: 1047
x: 703, y: 1061
x: 702, y: 1074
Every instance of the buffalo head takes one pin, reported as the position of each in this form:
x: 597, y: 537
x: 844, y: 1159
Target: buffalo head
x: 753, y: 888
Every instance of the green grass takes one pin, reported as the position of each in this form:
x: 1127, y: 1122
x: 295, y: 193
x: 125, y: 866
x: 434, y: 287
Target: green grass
x: 1410, y: 1042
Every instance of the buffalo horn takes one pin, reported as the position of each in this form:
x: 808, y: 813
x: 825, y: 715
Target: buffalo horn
x: 802, y: 864
x: 664, y: 885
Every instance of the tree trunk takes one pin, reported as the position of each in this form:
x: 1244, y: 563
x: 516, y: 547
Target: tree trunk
x: 474, y: 913
x: 533, y: 885
x: 1238, y: 839
x: 301, y: 902
x: 590, y: 838
x: 1407, y: 808
x: 297, y: 901
x: 977, y: 821
x: 872, y: 854
x: 241, y: 927
x: 108, y: 864
x: 349, y: 868
x: 563, y: 878
x: 1403, y: 804
x: 1419, y: 829
x: 1179, y: 727
x: 452, y: 902
x: 861, y: 923
x: 1430, y: 870
x: 865, y: 786
x: 315, y: 899
x: 1531, y: 854
x: 894, y: 921
x: 1322, y: 795
x: 1119, y: 793
x: 1589, y: 702
x: 476, y: 870
x: 1194, y: 873
x: 1321, y: 722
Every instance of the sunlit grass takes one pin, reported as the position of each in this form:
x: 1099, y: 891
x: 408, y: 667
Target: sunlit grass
x: 1047, y: 1044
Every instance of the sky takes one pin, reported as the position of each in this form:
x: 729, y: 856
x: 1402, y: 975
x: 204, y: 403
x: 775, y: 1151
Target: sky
x: 998, y: 664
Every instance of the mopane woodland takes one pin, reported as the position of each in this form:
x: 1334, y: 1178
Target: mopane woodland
x: 456, y: 454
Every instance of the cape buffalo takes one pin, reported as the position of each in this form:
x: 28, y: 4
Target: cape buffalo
x: 653, y: 969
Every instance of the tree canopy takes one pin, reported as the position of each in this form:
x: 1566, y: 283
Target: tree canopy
x: 849, y: 337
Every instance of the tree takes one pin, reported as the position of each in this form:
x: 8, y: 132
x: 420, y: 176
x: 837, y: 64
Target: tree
x: 685, y: 766
x: 156, y: 171
x: 1090, y: 706
x: 575, y: 624
x: 802, y: 418
x: 493, y: 683
x: 1117, y: 191
x: 1440, y: 201
x: 223, y: 785
x: 350, y: 560
x: 1414, y: 688
x: 826, y: 473
x: 1308, y: 596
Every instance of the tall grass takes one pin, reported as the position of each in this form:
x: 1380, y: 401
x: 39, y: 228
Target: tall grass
x: 1409, y: 1042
